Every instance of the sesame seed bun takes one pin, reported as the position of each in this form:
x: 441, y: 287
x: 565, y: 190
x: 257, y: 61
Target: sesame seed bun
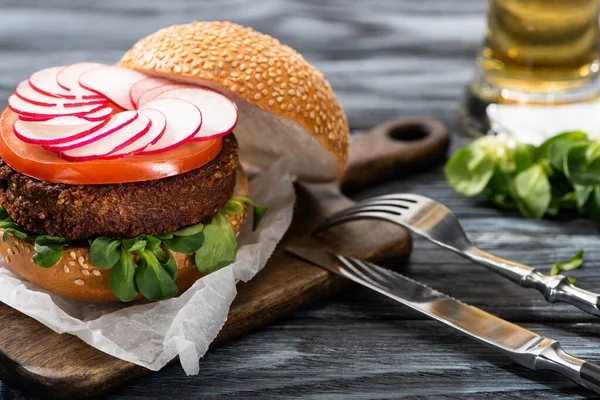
x: 77, y: 278
x: 286, y: 106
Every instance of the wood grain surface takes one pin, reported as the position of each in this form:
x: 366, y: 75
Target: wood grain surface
x: 384, y: 58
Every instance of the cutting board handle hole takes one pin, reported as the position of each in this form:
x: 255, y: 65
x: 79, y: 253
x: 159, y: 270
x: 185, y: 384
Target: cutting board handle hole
x: 408, y: 132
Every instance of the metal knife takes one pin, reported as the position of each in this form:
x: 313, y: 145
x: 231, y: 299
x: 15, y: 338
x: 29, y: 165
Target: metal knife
x: 521, y: 345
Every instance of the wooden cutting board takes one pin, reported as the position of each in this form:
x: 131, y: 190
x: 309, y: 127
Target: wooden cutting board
x: 62, y: 366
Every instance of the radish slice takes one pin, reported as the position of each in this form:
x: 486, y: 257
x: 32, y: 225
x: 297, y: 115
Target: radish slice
x: 20, y: 106
x: 44, y: 81
x: 30, y: 95
x: 117, y: 122
x: 68, y: 77
x: 151, y: 94
x: 115, y: 141
x: 112, y: 82
x: 183, y: 121
x: 141, y: 86
x: 57, y: 130
x: 28, y: 118
x: 219, y: 113
x: 157, y: 129
x: 67, y: 121
x: 101, y: 114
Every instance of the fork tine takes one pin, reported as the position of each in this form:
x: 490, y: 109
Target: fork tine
x: 361, y: 269
x: 408, y: 197
x: 384, y: 202
x: 337, y: 219
x: 375, y: 202
x: 379, y: 207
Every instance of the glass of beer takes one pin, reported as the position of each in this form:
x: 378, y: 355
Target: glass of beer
x: 536, y: 52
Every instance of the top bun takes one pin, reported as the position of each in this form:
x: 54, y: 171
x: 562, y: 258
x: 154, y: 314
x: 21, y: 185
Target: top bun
x: 285, y: 104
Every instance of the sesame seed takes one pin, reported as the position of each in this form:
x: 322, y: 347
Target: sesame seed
x: 188, y: 263
x: 81, y: 260
x: 10, y: 251
x: 85, y: 272
x: 85, y: 266
x: 7, y: 259
x: 87, y: 256
x: 66, y: 268
x: 79, y: 282
x: 96, y: 272
x: 72, y: 263
x: 27, y: 250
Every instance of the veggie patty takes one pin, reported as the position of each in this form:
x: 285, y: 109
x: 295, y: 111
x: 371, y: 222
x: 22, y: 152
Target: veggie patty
x: 120, y: 210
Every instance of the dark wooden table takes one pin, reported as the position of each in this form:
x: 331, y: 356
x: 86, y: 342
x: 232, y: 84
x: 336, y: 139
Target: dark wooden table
x: 384, y: 58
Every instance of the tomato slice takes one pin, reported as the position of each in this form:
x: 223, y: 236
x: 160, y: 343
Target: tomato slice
x: 36, y: 162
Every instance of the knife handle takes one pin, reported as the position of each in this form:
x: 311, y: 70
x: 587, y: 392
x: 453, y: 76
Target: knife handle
x: 590, y: 373
x: 551, y: 356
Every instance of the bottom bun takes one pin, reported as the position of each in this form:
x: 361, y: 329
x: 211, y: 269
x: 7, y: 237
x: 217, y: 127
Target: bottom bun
x: 77, y: 278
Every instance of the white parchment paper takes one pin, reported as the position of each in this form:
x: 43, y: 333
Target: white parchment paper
x: 152, y: 334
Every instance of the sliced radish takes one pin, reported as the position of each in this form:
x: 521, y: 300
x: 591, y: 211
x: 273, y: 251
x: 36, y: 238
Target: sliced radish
x: 112, y: 82
x: 117, y: 122
x: 38, y: 118
x: 67, y: 121
x: 22, y: 107
x: 30, y: 95
x: 101, y: 114
x: 157, y: 129
x: 44, y: 81
x: 151, y: 94
x: 113, y: 142
x: 57, y: 130
x: 145, y: 84
x: 219, y: 113
x: 68, y: 77
x: 183, y: 121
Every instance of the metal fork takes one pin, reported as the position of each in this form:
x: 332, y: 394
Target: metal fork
x: 436, y: 222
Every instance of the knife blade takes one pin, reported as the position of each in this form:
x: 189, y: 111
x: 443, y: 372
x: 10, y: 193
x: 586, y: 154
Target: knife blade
x: 521, y: 345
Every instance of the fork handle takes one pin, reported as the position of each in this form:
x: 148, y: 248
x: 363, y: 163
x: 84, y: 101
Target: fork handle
x: 556, y: 288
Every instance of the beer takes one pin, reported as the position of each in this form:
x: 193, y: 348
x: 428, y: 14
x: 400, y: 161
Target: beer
x: 540, y: 45
x: 540, y: 52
